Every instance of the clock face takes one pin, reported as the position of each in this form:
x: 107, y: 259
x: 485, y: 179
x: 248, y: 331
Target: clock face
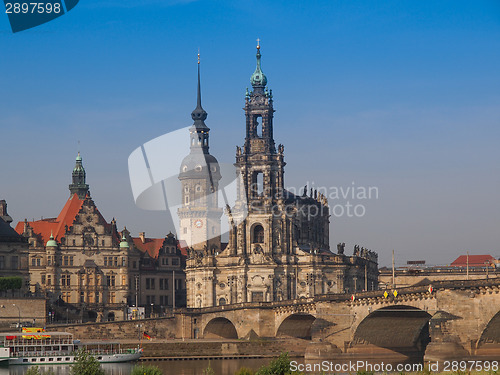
x: 198, y: 223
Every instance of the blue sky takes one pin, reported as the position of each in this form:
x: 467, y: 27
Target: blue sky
x: 401, y: 95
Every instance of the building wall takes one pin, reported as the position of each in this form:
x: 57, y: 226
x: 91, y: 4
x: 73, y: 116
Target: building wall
x: 31, y: 310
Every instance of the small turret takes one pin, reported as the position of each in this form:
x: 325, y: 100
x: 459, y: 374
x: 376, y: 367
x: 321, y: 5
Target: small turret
x: 51, y: 242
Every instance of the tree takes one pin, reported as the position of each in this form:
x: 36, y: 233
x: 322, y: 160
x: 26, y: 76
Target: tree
x: 86, y: 364
x: 145, y: 370
x: 10, y: 283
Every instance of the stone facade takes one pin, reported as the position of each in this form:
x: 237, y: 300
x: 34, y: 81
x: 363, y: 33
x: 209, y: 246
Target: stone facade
x: 13, y: 250
x: 89, y: 270
x: 279, y: 242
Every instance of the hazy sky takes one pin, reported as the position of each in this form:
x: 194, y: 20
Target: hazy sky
x: 399, y: 95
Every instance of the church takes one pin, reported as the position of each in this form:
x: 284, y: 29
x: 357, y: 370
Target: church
x: 278, y: 246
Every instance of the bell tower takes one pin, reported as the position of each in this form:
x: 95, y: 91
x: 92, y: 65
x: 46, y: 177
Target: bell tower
x: 78, y: 178
x: 199, y: 174
x: 261, y: 168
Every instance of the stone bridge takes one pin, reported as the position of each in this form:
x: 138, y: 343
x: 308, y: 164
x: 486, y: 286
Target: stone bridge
x: 446, y: 319
x: 455, y: 317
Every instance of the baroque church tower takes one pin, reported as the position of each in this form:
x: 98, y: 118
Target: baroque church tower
x: 278, y: 245
x: 199, y: 175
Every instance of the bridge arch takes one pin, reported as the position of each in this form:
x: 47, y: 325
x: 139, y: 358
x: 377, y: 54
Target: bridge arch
x: 400, y: 328
x: 297, y: 325
x: 491, y: 333
x: 220, y: 328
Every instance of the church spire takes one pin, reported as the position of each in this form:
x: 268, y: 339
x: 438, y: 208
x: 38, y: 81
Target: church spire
x: 199, y: 131
x: 78, y: 178
x: 199, y: 115
x: 258, y: 79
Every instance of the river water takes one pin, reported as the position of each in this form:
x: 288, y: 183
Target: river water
x: 187, y: 367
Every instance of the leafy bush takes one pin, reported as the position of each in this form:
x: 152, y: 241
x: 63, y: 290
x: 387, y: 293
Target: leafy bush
x: 86, y: 364
x: 10, y: 283
x: 209, y: 370
x: 32, y: 370
x: 278, y: 366
x: 146, y: 370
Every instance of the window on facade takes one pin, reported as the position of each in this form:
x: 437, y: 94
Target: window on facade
x: 82, y: 297
x: 97, y: 297
x: 110, y: 280
x: 161, y: 285
x: 124, y: 280
x: 49, y: 260
x: 2, y: 262
x: 33, y: 261
x: 115, y: 260
x: 102, y: 242
x: 14, y: 262
x: 38, y: 262
x: 134, y: 264
x: 71, y: 260
x: 175, y: 261
x: 153, y: 300
x: 178, y: 284
x: 124, y: 262
x: 105, y: 261
x: 49, y: 279
x: 66, y: 260
x: 186, y: 199
x: 152, y: 283
x: 222, y: 301
x: 74, y: 242
x: 43, y: 279
x: 112, y: 297
x: 258, y: 234
x: 148, y: 283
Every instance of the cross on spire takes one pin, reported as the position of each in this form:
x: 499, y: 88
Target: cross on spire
x: 258, y: 43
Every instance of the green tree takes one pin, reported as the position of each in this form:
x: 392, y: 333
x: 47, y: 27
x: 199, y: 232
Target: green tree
x: 10, y: 283
x: 145, y: 370
x: 33, y: 370
x: 209, y: 370
x: 279, y: 366
x: 86, y: 364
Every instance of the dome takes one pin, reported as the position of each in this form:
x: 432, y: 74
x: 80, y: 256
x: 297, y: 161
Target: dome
x: 124, y: 244
x: 51, y: 242
x: 197, y: 165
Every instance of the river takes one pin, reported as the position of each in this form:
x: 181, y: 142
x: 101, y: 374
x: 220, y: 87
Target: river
x: 187, y: 367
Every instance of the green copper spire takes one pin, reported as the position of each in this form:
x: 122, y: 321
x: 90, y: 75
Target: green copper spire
x: 78, y: 176
x: 258, y: 78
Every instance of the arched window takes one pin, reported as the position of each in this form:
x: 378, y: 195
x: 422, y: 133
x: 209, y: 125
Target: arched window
x: 222, y: 301
x: 258, y: 234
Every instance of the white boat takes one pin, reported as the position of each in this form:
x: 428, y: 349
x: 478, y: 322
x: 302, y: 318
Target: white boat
x: 51, y: 348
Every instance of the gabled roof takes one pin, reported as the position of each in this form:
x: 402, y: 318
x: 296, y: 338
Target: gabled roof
x: 151, y: 246
x: 57, y: 226
x: 43, y: 228
x: 474, y: 260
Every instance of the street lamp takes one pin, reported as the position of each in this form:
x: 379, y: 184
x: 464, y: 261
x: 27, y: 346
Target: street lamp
x: 19, y: 311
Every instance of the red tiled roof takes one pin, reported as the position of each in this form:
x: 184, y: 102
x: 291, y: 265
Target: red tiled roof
x: 43, y: 228
x: 151, y: 245
x: 474, y: 260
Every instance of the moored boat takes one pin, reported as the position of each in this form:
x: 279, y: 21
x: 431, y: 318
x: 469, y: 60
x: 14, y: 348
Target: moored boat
x: 50, y: 348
